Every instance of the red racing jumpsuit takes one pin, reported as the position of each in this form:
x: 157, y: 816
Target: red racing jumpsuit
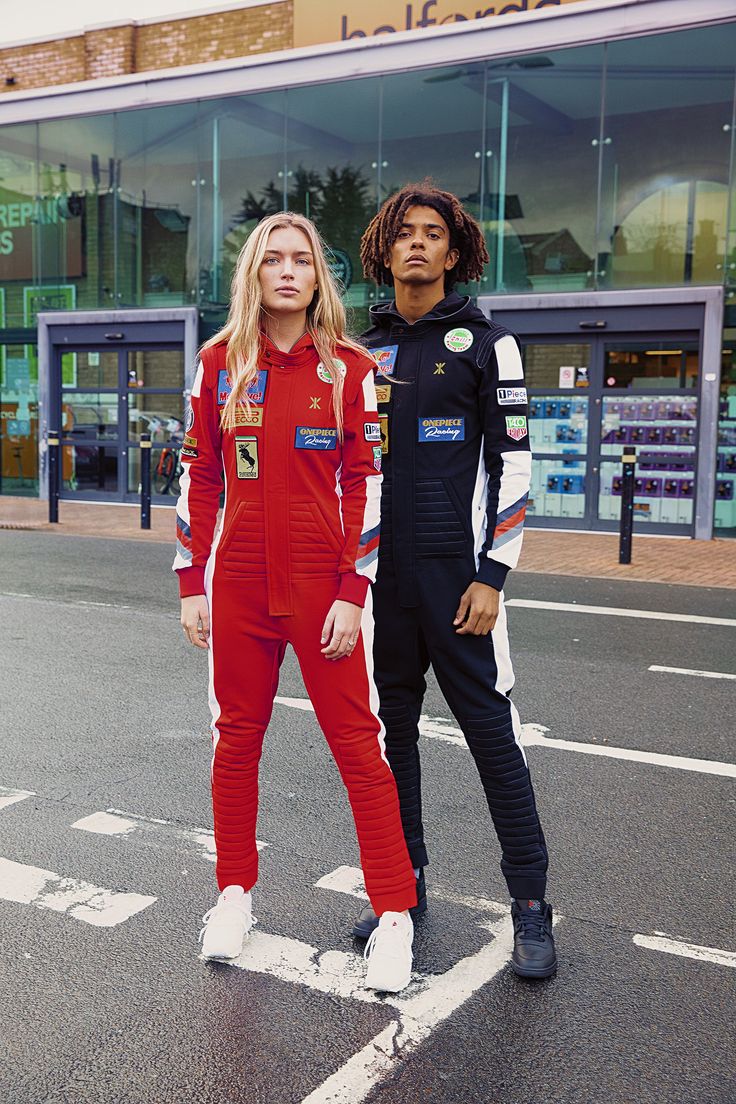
x: 299, y: 529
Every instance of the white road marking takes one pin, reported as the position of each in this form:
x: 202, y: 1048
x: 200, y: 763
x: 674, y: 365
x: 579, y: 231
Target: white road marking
x: 10, y: 797
x: 115, y: 822
x: 533, y: 735
x: 689, y: 671
x: 102, y: 908
x: 613, y: 611
x: 660, y: 941
x: 349, y: 880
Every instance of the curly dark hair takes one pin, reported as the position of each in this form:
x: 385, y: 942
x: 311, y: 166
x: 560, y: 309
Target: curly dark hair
x: 465, y: 234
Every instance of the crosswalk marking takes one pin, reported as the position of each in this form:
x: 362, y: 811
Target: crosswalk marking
x: 10, y: 797
x: 115, y: 822
x: 660, y: 941
x: 690, y: 671
x: 102, y: 908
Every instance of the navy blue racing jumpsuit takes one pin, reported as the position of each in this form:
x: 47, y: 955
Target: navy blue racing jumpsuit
x: 456, y: 463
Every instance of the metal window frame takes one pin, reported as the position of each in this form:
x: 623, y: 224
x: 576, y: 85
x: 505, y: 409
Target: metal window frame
x: 711, y: 299
x: 459, y: 43
x: 187, y: 316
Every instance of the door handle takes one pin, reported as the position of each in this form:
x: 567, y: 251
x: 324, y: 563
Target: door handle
x: 599, y: 325
x: 114, y: 337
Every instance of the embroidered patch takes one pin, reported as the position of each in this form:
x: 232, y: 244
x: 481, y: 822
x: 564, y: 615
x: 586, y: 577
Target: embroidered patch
x: 246, y: 456
x: 377, y: 455
x: 318, y: 439
x: 189, y: 454
x: 190, y: 442
x: 189, y: 418
x: 457, y: 341
x: 385, y: 359
x: 516, y: 427
x: 439, y: 368
x: 511, y: 396
x: 324, y: 373
x: 256, y: 391
x: 383, y: 423
x: 383, y: 392
x: 314, y: 402
x: 223, y: 387
x: 441, y: 429
x: 341, y: 367
x: 252, y: 417
x: 372, y: 431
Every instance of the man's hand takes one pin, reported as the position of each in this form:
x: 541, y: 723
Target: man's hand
x: 476, y: 615
x: 195, y: 620
x: 341, y: 629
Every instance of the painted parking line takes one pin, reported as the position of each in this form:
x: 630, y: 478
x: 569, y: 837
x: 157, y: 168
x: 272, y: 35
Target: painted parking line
x: 614, y: 611
x: 660, y: 941
x: 11, y: 797
x: 102, y: 908
x: 533, y: 735
x: 689, y: 671
x: 115, y: 822
x: 349, y: 880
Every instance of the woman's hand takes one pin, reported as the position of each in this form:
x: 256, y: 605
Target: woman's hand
x: 195, y: 620
x: 341, y: 629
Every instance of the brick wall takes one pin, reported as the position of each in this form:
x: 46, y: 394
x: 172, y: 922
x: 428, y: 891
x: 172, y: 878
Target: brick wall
x: 136, y: 48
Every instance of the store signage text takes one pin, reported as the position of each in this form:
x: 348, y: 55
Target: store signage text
x: 16, y: 216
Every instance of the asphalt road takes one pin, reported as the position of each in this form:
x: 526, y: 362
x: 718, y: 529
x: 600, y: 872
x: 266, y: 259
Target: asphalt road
x: 103, y: 707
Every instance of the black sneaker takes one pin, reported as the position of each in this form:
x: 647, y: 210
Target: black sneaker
x: 367, y: 920
x: 534, y: 946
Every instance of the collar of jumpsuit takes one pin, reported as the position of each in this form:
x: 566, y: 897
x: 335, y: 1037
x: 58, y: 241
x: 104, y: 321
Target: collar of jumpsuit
x: 299, y: 354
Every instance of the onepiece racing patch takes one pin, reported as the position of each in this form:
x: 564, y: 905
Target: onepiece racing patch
x: 372, y: 431
x: 317, y: 439
x: 385, y: 359
x: 246, y: 457
x: 458, y: 340
x: 511, y: 396
x: 516, y: 427
x: 442, y: 429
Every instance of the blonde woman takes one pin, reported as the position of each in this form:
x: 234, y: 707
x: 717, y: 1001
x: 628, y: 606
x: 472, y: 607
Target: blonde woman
x: 284, y: 408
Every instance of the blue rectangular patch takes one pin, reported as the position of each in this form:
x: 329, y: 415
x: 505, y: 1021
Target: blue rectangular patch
x: 320, y: 439
x: 441, y: 429
x: 385, y: 359
x: 256, y: 392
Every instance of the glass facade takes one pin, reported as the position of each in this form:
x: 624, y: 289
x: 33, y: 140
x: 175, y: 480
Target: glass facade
x: 606, y: 166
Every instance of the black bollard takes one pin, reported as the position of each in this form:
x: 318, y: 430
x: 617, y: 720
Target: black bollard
x: 627, y: 506
x: 145, y: 480
x: 54, y: 444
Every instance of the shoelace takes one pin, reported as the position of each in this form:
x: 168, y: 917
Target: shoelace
x: 533, y: 925
x: 208, y: 914
x: 370, y: 944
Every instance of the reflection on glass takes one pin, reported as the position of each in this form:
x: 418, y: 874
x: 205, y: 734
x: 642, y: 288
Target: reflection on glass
x: 165, y: 471
x: 18, y: 420
x: 160, y: 368
x: 725, y: 507
x: 556, y: 365
x: 651, y: 364
x: 93, y: 370
x: 558, y: 424
x: 663, y: 428
x: 89, y: 416
x: 160, y: 415
x: 89, y: 468
x: 557, y: 488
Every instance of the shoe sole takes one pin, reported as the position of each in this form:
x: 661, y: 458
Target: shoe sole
x: 362, y: 930
x: 395, y: 988
x: 526, y: 972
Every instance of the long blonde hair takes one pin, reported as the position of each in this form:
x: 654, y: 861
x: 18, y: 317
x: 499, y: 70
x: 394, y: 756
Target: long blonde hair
x: 326, y: 322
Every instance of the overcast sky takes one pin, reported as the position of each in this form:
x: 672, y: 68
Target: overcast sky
x: 46, y: 18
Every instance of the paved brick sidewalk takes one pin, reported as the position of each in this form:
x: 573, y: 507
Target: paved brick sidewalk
x: 550, y: 552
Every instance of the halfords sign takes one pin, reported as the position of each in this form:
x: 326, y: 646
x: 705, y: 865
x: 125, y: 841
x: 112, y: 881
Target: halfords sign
x: 335, y: 20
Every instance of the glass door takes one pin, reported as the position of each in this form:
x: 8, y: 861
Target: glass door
x: 90, y: 423
x: 153, y: 395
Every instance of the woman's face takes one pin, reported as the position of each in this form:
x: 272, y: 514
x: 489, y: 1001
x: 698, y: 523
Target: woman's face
x: 287, y: 272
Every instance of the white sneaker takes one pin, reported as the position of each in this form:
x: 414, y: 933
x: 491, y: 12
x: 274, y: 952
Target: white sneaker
x: 388, y: 952
x: 227, y: 924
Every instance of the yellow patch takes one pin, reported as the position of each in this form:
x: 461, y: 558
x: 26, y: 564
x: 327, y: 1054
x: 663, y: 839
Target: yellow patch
x: 246, y: 457
x: 383, y: 422
x: 439, y: 369
x: 314, y: 403
x: 190, y: 442
x: 383, y: 392
x: 253, y: 417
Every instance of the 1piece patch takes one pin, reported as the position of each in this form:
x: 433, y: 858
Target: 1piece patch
x: 383, y: 392
x: 385, y: 359
x: 383, y: 423
x: 377, y: 455
x: 245, y: 417
x: 511, y: 396
x: 188, y: 418
x: 457, y: 341
x: 190, y: 442
x: 516, y: 427
x: 442, y: 429
x: 372, y: 431
x: 317, y: 439
x: 246, y: 456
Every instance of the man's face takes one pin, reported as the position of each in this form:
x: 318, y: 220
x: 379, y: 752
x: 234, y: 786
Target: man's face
x: 287, y: 272
x: 421, y: 253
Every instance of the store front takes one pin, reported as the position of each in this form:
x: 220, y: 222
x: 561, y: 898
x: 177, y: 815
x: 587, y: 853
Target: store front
x: 609, y: 370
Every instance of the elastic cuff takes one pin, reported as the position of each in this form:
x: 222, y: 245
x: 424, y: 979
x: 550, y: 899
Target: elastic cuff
x: 191, y: 581
x: 353, y: 588
x: 492, y: 573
